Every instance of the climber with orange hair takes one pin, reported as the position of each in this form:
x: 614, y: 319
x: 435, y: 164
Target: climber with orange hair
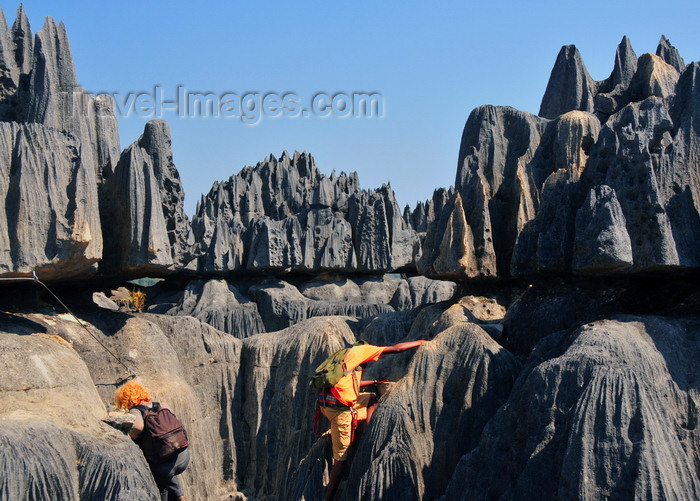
x: 131, y: 394
x: 135, y: 398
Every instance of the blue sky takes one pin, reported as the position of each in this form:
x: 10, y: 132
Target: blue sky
x: 431, y: 62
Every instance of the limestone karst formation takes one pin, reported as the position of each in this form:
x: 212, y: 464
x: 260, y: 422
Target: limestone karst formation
x: 563, y: 334
x: 280, y: 215
x: 283, y: 214
x: 57, y: 142
x: 603, y: 182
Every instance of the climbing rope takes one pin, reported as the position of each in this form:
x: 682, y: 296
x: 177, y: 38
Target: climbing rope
x: 35, y: 279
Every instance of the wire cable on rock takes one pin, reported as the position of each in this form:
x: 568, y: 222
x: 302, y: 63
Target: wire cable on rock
x: 34, y: 278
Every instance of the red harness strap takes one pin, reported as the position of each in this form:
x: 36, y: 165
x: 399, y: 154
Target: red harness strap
x: 354, y: 424
x: 328, y: 400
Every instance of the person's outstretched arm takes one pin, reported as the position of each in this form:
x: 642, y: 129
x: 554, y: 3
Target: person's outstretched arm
x: 398, y: 348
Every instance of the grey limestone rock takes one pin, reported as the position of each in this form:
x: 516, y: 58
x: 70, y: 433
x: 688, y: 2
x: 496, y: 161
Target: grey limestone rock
x: 570, y: 87
x: 55, y: 99
x: 332, y: 289
x: 221, y: 305
x: 58, y: 143
x: 273, y: 304
x: 274, y: 245
x: 187, y: 364
x: 369, y: 212
x: 16, y: 57
x: 9, y: 72
x: 313, y: 471
x: 357, y: 310
x: 23, y: 41
x: 632, y: 158
x: 409, y: 448
x: 613, y: 92
x: 654, y: 77
x: 602, y: 243
x: 575, y: 133
x: 378, y: 290
x: 419, y: 217
x: 596, y: 406
x: 436, y: 217
x: 482, y: 310
x: 51, y: 220
x: 419, y: 291
x: 624, y: 68
x: 326, y: 240
x: 496, y: 195
x: 41, y: 460
x: 279, y: 367
x: 53, y: 79
x: 523, y: 181
x: 283, y: 215
x: 604, y: 410
x: 280, y: 304
x: 670, y: 54
x: 54, y: 444
x: 142, y: 204
x: 425, y: 291
x: 101, y: 300
x: 402, y: 299
x: 314, y: 240
x: 196, y: 370
x: 404, y: 242
x: 679, y: 180
x: 387, y: 329
x: 545, y: 242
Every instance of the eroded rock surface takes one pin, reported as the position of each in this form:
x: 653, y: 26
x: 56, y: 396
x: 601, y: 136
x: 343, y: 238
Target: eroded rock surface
x: 220, y: 305
x: 603, y: 182
x: 54, y: 443
x: 40, y: 86
x: 51, y: 221
x: 142, y: 202
x: 247, y: 307
x: 409, y: 450
x: 187, y: 364
x: 283, y: 214
x: 605, y: 410
x: 463, y: 409
x: 57, y: 141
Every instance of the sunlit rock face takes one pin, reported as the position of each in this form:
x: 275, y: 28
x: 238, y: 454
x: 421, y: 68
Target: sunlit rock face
x: 603, y: 182
x: 284, y: 215
x: 56, y: 143
x: 51, y: 221
x: 562, y: 335
x: 142, y: 204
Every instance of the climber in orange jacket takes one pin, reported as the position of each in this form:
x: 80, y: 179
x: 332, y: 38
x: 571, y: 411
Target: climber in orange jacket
x: 343, y: 402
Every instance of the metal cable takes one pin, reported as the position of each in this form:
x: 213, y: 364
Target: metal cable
x: 34, y: 278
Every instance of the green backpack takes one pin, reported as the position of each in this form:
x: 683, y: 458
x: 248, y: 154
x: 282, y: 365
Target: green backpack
x: 332, y: 369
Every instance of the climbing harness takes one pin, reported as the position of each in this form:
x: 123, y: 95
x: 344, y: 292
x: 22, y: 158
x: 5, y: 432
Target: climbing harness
x: 35, y: 279
x: 328, y: 400
x: 353, y: 424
